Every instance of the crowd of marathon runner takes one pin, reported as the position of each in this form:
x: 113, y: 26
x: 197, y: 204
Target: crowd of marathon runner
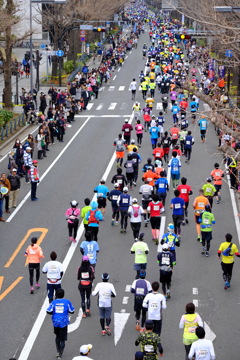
x: 168, y: 61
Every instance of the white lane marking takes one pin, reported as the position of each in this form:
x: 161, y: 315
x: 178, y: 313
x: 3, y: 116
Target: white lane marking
x: 139, y: 88
x: 121, y: 88
x: 114, y: 77
x: 119, y: 69
x: 130, y: 52
x: 111, y: 88
x: 159, y: 106
x: 123, y: 311
x: 195, y: 291
x: 123, y: 106
x: 48, y: 169
x: 22, y: 140
x: 162, y: 227
x: 99, y: 107
x: 234, y: 206
x: 169, y: 176
x: 107, y: 115
x: 126, y: 57
x: 42, y: 314
x: 89, y: 106
x: 195, y: 301
x: 112, y: 106
x: 120, y: 320
x: 210, y: 335
x: 72, y: 327
x: 128, y: 288
x: 125, y: 299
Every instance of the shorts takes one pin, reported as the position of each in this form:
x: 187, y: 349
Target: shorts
x: 188, y: 341
x: 105, y: 312
x: 165, y: 276
x: 61, y: 333
x: 203, y: 132
x: 153, y: 141
x: 155, y: 222
x: 206, y: 235
x: 145, y: 204
x: 218, y: 187
x: 175, y: 176
x: 197, y: 217
x: 102, y: 202
x: 139, y: 266
x: 166, y: 150
x: 119, y: 154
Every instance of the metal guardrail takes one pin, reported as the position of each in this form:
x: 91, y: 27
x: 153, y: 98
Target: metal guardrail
x: 10, y: 127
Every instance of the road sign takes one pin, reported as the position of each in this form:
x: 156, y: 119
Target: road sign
x: 82, y: 38
x: 43, y: 46
x: 60, y: 53
x: 46, y: 52
x: 229, y: 53
x: 82, y: 32
x: 86, y: 27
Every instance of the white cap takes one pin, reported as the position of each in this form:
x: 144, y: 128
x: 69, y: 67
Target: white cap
x: 126, y: 120
x: 132, y: 141
x: 116, y: 185
x: 84, y: 349
x: 125, y: 189
x: 165, y: 246
x: 28, y: 148
x: 74, y: 203
x: 134, y: 200
x: 14, y: 170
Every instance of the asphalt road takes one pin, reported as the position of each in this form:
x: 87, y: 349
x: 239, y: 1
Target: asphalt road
x: 74, y: 176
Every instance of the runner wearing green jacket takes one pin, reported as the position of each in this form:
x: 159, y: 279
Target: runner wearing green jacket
x: 207, y: 219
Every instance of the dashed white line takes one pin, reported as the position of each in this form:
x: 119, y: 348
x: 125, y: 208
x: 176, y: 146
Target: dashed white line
x: 121, y: 88
x: 111, y: 88
x: 195, y: 301
x: 119, y: 69
x: 128, y: 288
x: 99, y: 107
x: 112, y: 106
x: 123, y: 311
x: 195, y: 291
x: 125, y: 299
x: 114, y: 77
x: 89, y: 106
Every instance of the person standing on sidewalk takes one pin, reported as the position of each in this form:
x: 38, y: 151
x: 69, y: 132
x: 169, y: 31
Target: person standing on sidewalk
x: 105, y: 292
x: 34, y: 178
x: 27, y: 158
x: 5, y: 183
x: 226, y: 251
x: 54, y: 271
x: 59, y: 309
x: 34, y: 254
x: 15, y: 186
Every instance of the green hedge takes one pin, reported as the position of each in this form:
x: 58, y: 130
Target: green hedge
x: 5, y: 117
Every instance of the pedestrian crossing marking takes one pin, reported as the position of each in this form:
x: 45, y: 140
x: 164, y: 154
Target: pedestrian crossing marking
x: 99, y: 107
x: 121, y: 88
x: 89, y: 106
x: 112, y: 106
x: 111, y: 88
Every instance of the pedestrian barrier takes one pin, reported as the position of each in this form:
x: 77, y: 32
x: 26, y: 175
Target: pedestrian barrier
x: 9, y: 128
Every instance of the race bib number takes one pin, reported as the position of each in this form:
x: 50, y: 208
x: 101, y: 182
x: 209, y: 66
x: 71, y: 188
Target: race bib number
x: 154, y: 306
x: 192, y: 329
x: 206, y: 221
x: 59, y: 309
x: 139, y: 252
x: 125, y: 201
x: 153, y: 130
x: 208, y: 190
x: 202, y: 354
x: 149, y: 348
x: 161, y: 186
x: 114, y: 197
x: 165, y: 141
x: 175, y: 168
x: 218, y: 174
x: 85, y: 275
x: 90, y: 255
x: 188, y: 142
x: 129, y: 165
x: 156, y: 207
x: 184, y: 191
x: 201, y: 205
x: 149, y: 179
x: 106, y: 295
x: 127, y: 130
x: 100, y: 194
x: 165, y: 261
x: 158, y: 154
x: 119, y: 181
x: 140, y: 291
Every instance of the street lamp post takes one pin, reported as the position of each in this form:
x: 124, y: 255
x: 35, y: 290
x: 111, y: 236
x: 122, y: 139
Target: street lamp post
x: 31, y: 30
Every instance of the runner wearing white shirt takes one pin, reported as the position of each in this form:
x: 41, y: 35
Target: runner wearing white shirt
x: 105, y: 292
x: 135, y: 212
x: 54, y: 271
x: 201, y: 349
x: 133, y: 88
x: 155, y: 302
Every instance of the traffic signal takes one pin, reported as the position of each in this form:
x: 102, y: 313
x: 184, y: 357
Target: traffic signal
x: 99, y: 29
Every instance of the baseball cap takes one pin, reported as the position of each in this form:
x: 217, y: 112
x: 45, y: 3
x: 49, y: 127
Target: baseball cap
x: 28, y: 148
x: 35, y: 161
x: 84, y: 349
x: 209, y: 179
x: 165, y: 246
x: 132, y: 141
x: 74, y: 203
x: 125, y: 189
x: 134, y: 200
x: 85, y: 258
x: 14, y: 170
x: 116, y: 185
x: 105, y: 276
x: 126, y: 120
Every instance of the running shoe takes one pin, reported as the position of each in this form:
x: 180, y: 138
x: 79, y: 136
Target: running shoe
x: 37, y: 285
x: 207, y: 253
x: 227, y: 285
x: 116, y: 222
x: 168, y: 294
x: 84, y: 315
x: 112, y: 222
x: 31, y: 290
x: 88, y: 312
x: 108, y: 331
x: 142, y: 330
x: 137, y: 327
x: 103, y: 332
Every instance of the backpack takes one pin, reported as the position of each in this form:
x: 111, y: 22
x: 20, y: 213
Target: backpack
x: 227, y: 251
x: 136, y: 211
x: 92, y: 219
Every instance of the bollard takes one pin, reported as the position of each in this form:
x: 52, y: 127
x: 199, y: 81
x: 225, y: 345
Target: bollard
x: 6, y: 130
x: 15, y: 124
x: 2, y: 133
x: 19, y: 121
x: 11, y: 127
